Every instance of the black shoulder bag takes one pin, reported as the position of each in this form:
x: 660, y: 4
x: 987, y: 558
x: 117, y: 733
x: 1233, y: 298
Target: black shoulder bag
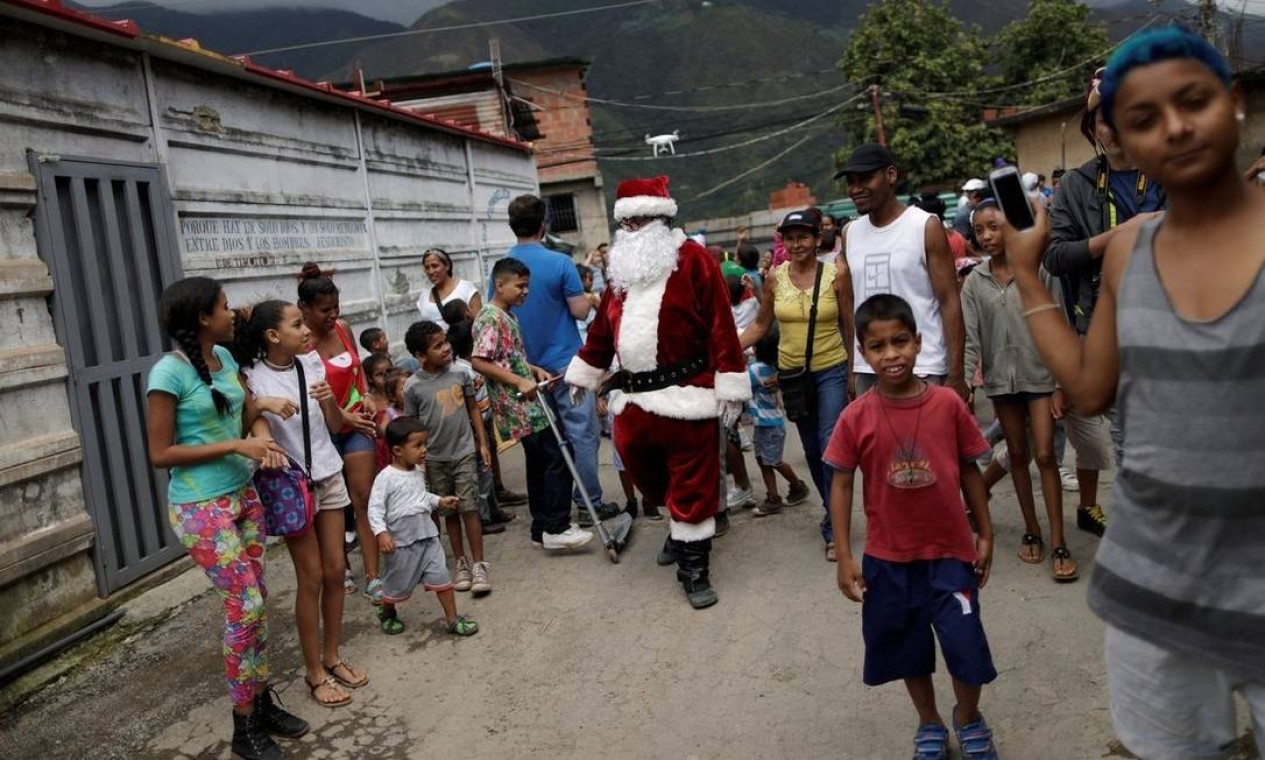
x: 799, y: 392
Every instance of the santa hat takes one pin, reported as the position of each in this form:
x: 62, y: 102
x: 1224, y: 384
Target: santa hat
x: 644, y: 197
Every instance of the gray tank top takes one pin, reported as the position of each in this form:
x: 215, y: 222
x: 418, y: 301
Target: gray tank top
x: 1183, y: 561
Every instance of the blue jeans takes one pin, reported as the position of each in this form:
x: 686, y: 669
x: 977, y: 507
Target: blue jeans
x: 581, y: 430
x: 815, y: 431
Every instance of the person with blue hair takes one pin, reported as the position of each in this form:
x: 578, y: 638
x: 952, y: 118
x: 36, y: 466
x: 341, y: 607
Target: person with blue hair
x: 1178, y: 342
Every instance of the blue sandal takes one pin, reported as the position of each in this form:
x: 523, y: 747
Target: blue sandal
x: 975, y: 739
x: 931, y: 742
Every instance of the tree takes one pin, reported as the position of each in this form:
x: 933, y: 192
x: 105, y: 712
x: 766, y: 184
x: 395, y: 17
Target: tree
x: 1056, y: 41
x: 920, y: 55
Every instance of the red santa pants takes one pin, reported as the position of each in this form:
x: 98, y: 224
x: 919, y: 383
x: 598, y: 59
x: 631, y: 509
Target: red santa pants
x: 673, y: 462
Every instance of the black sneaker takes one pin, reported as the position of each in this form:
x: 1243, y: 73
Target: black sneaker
x: 491, y: 528
x: 722, y: 523
x: 604, y: 512
x: 1091, y: 520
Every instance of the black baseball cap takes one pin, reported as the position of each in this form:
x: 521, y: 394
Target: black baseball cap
x: 866, y: 159
x: 805, y: 219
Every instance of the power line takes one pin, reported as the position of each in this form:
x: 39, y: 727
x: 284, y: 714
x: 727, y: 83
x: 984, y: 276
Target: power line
x: 750, y: 171
x: 1049, y: 77
x: 744, y: 143
x: 693, y: 109
x: 454, y: 27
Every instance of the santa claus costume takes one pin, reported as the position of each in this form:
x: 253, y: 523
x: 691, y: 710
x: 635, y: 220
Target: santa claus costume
x: 666, y: 317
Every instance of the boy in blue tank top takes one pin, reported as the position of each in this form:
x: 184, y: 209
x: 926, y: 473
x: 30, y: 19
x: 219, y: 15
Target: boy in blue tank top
x: 1177, y: 341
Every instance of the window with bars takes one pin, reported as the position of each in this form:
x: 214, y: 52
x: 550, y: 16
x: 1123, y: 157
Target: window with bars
x: 562, y: 217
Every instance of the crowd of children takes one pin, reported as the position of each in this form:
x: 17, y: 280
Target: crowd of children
x: 406, y: 445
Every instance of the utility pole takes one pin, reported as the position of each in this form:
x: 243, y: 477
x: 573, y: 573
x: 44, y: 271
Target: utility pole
x: 878, y: 115
x: 1208, y: 21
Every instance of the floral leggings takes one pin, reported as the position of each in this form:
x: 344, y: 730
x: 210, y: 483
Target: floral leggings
x: 225, y: 536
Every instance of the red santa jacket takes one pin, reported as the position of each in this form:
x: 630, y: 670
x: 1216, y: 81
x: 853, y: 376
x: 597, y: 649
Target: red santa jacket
x: 684, y: 316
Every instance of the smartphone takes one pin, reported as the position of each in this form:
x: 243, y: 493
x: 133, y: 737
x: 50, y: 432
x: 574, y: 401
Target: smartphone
x: 1008, y: 189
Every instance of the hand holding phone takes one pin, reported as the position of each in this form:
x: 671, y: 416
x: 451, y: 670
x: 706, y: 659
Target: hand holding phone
x: 1013, y: 201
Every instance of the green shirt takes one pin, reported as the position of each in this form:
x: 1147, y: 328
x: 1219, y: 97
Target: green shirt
x: 198, y: 423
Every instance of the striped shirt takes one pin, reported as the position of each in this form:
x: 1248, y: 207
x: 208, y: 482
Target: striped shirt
x: 1180, y: 565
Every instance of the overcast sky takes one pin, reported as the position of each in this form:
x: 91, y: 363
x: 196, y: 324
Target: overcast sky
x: 400, y: 11
x: 407, y: 11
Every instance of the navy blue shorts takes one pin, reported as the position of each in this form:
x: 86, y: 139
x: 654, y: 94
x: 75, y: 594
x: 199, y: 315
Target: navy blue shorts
x: 904, y: 603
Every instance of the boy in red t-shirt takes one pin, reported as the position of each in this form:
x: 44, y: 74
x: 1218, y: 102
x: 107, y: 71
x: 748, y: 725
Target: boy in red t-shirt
x: 916, y: 445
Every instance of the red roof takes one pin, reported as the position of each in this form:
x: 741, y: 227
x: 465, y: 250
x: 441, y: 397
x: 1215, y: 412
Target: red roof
x: 127, y: 33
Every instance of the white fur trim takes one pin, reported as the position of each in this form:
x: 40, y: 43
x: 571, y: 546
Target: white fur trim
x: 682, y: 531
x: 583, y: 374
x: 638, y: 338
x: 733, y: 386
x: 680, y: 402
x: 644, y: 205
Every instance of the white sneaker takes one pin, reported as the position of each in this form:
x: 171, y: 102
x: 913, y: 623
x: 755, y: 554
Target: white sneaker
x: 461, y: 577
x: 1068, y: 476
x: 482, y: 583
x: 570, y: 538
x: 739, y: 497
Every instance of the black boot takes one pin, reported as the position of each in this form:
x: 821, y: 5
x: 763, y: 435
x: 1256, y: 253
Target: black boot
x: 670, y: 553
x: 692, y: 572
x: 275, y: 720
x: 722, y: 523
x: 251, y: 741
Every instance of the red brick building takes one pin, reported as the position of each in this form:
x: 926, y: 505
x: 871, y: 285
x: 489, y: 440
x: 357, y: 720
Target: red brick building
x: 541, y: 102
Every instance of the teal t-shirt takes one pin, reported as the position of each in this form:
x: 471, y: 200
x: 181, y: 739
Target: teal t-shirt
x: 197, y: 423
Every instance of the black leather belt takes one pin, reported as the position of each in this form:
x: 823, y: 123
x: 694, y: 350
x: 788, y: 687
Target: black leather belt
x: 654, y: 380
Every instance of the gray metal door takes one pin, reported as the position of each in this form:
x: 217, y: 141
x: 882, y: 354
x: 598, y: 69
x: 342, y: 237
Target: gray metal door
x: 105, y: 230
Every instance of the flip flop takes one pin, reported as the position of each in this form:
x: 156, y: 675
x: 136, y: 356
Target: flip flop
x: 830, y: 552
x: 1061, y: 553
x: 1032, y: 539
x: 330, y: 684
x: 347, y: 668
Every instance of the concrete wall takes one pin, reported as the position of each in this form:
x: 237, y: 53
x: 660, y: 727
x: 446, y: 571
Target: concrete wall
x: 262, y: 180
x: 590, y: 210
x: 1042, y: 143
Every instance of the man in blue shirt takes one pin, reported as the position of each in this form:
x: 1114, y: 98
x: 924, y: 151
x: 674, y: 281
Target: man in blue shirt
x: 555, y: 301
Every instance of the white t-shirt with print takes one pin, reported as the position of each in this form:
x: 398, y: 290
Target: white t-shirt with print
x: 263, y: 380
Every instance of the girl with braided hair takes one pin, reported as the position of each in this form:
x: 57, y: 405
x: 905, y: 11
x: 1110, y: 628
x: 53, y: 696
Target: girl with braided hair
x: 198, y: 411
x: 331, y: 339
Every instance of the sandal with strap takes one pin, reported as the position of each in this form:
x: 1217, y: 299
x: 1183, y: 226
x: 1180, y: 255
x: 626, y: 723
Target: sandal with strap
x: 350, y: 680
x: 931, y: 742
x: 463, y: 627
x: 975, y: 739
x: 831, y: 554
x: 340, y: 697
x: 1032, y: 539
x: 1061, y: 554
x: 391, y: 623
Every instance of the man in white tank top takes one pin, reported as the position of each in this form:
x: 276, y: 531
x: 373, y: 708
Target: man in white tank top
x: 902, y: 250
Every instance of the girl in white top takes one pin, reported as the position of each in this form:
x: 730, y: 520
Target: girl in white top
x: 438, y: 267
x: 273, y: 341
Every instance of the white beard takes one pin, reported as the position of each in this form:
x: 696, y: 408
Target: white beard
x: 643, y: 256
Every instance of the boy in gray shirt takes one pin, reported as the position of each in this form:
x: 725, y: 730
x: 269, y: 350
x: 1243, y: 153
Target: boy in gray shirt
x: 442, y: 398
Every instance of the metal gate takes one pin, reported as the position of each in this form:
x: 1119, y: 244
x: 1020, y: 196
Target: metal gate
x: 105, y: 230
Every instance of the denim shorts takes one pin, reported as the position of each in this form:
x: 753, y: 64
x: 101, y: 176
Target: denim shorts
x: 352, y: 442
x: 768, y: 443
x: 904, y: 603
x: 1167, y: 705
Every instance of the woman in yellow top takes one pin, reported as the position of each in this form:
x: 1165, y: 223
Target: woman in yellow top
x: 787, y: 296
